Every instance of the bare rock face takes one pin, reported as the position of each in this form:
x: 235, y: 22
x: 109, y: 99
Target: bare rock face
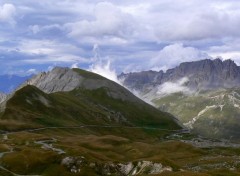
x: 2, y: 97
x: 66, y: 79
x: 59, y: 79
x: 202, y: 75
x: 76, y: 164
x: 3, y: 101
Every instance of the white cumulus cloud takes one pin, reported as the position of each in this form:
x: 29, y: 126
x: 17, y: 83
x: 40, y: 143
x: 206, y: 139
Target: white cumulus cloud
x: 7, y: 13
x: 171, y: 55
x: 108, y: 20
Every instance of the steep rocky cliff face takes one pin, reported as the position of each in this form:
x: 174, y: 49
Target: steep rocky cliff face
x: 202, y: 75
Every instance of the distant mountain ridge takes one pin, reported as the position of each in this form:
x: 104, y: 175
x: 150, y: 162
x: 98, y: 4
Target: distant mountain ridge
x: 204, y: 95
x: 202, y: 75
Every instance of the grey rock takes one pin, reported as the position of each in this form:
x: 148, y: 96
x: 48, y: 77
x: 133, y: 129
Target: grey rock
x: 3, y: 100
x: 66, y: 79
x: 2, y: 97
x: 203, y: 75
x: 59, y: 79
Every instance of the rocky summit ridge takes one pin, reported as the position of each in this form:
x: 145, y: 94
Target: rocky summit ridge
x: 65, y: 79
x: 202, y: 75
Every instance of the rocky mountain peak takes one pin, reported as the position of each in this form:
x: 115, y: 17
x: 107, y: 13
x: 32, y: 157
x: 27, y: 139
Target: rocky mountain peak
x: 58, y: 79
x: 203, y: 74
x: 61, y: 79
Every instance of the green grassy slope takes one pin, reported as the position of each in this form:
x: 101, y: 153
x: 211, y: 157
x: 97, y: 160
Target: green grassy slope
x: 102, y: 148
x: 32, y: 108
x: 217, y: 111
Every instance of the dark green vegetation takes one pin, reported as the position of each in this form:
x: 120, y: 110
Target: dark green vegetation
x: 107, y: 104
x: 32, y: 108
x: 91, y: 132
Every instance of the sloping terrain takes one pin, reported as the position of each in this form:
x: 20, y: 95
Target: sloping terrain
x: 2, y: 97
x: 93, y: 100
x: 71, y: 122
x: 210, y: 113
x: 203, y: 95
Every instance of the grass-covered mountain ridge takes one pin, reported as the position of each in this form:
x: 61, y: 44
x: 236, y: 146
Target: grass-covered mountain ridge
x: 74, y: 97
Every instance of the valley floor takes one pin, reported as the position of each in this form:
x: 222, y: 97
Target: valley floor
x: 96, y: 150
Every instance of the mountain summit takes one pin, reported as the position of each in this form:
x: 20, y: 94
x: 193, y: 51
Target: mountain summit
x: 204, y: 95
x: 202, y: 75
x: 70, y: 97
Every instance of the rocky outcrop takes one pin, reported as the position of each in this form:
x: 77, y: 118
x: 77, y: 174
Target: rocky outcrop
x: 76, y: 164
x: 202, y: 75
x: 59, y: 79
x: 65, y: 79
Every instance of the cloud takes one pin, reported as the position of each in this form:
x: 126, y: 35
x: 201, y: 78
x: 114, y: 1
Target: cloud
x: 197, y: 20
x: 173, y: 87
x: 7, y: 13
x: 134, y: 35
x: 107, y: 20
x: 102, y: 66
x: 47, y: 51
x: 75, y: 65
x: 171, y: 55
x: 31, y: 71
x: 105, y: 70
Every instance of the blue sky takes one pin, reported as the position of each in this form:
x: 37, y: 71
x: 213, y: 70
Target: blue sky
x: 131, y: 35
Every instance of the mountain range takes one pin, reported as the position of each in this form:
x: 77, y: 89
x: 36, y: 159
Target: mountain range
x: 79, y: 106
x: 201, y: 75
x: 71, y: 122
x: 203, y: 95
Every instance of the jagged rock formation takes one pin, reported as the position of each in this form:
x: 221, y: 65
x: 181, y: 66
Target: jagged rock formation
x: 202, y: 75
